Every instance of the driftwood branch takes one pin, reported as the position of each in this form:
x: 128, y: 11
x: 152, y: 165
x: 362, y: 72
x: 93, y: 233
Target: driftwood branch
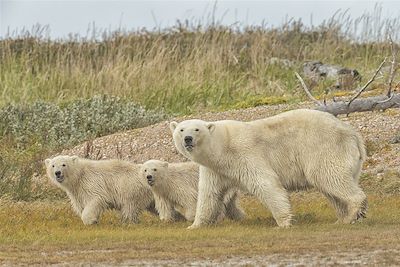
x: 393, y: 68
x: 382, y: 102
x: 303, y: 84
x: 362, y: 104
x: 362, y: 89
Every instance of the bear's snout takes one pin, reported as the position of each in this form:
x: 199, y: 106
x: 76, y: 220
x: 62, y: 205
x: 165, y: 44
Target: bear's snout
x: 150, y: 180
x: 188, y: 139
x: 59, y: 176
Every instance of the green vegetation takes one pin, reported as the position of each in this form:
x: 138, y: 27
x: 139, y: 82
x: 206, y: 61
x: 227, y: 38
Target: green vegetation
x: 30, y: 132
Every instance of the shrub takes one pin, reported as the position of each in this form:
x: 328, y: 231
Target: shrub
x: 29, y: 133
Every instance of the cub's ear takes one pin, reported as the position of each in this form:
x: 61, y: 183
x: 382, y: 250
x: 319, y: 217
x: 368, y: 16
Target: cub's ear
x: 173, y: 125
x: 74, y: 159
x: 165, y: 164
x: 211, y: 127
x: 47, y: 162
x: 141, y: 169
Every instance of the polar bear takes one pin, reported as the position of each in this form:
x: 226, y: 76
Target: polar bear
x: 175, y: 189
x: 96, y: 185
x: 294, y: 150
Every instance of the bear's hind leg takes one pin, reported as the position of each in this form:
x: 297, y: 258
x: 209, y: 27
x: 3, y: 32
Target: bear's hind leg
x: 350, y: 195
x: 339, y: 206
x: 130, y: 213
x: 91, y: 212
x: 232, y: 207
x: 267, y: 188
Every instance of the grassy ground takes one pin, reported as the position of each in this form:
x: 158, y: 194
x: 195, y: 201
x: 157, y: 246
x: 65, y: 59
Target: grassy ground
x: 44, y: 232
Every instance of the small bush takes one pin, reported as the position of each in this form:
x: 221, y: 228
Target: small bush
x: 29, y: 133
x: 74, y: 122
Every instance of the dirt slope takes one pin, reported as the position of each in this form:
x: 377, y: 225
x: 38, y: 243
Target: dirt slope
x: 154, y: 142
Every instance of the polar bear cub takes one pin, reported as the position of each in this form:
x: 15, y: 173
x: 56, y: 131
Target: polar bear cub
x: 294, y: 150
x: 96, y: 185
x: 175, y: 189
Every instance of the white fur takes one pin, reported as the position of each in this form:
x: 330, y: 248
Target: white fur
x: 294, y: 150
x: 175, y: 188
x: 94, y: 186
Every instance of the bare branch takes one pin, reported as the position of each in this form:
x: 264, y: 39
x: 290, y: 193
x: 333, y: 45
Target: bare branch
x: 391, y: 95
x: 118, y: 148
x: 362, y: 89
x: 362, y: 104
x: 303, y: 84
x: 393, y: 68
x: 386, y: 100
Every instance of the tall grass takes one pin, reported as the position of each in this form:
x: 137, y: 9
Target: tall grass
x: 185, y: 68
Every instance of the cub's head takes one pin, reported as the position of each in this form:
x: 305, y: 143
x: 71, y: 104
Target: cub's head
x: 190, y: 135
x: 59, y: 168
x: 153, y: 170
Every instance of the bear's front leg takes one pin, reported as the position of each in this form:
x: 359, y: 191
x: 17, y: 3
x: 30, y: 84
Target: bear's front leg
x: 91, y: 212
x: 164, y: 208
x: 209, y: 200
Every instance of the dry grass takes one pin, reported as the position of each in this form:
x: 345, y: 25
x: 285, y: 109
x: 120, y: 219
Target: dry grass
x: 188, y: 68
x: 44, y: 232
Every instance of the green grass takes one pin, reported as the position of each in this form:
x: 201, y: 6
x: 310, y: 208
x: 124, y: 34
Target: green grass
x: 29, y: 230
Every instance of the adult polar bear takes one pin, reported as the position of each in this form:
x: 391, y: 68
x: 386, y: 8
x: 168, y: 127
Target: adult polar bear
x: 295, y: 150
x: 96, y: 185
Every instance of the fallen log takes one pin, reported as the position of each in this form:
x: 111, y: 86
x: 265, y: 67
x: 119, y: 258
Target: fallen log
x: 356, y: 104
x: 381, y: 102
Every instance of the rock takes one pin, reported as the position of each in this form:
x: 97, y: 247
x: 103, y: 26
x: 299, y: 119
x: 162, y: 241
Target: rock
x: 345, y: 78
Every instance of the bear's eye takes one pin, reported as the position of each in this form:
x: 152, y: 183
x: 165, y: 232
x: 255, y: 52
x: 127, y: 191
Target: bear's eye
x: 196, y: 130
x: 181, y: 130
x: 53, y: 166
x: 145, y: 170
x: 155, y: 170
x: 63, y: 165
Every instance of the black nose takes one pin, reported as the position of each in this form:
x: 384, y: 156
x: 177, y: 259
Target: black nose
x: 149, y: 177
x: 188, y: 139
x: 58, y: 173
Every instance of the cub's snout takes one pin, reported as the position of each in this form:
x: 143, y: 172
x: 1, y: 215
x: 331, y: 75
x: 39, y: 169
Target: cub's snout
x: 150, y: 180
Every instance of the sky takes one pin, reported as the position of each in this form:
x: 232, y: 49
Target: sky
x: 78, y: 17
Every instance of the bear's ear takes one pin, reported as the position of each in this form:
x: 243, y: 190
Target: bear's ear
x: 173, y: 125
x: 141, y: 167
x: 74, y: 159
x: 165, y: 164
x: 211, y: 127
x: 47, y: 162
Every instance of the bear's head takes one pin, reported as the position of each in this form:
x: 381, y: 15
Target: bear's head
x: 191, y: 136
x: 60, y: 168
x: 152, y: 170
